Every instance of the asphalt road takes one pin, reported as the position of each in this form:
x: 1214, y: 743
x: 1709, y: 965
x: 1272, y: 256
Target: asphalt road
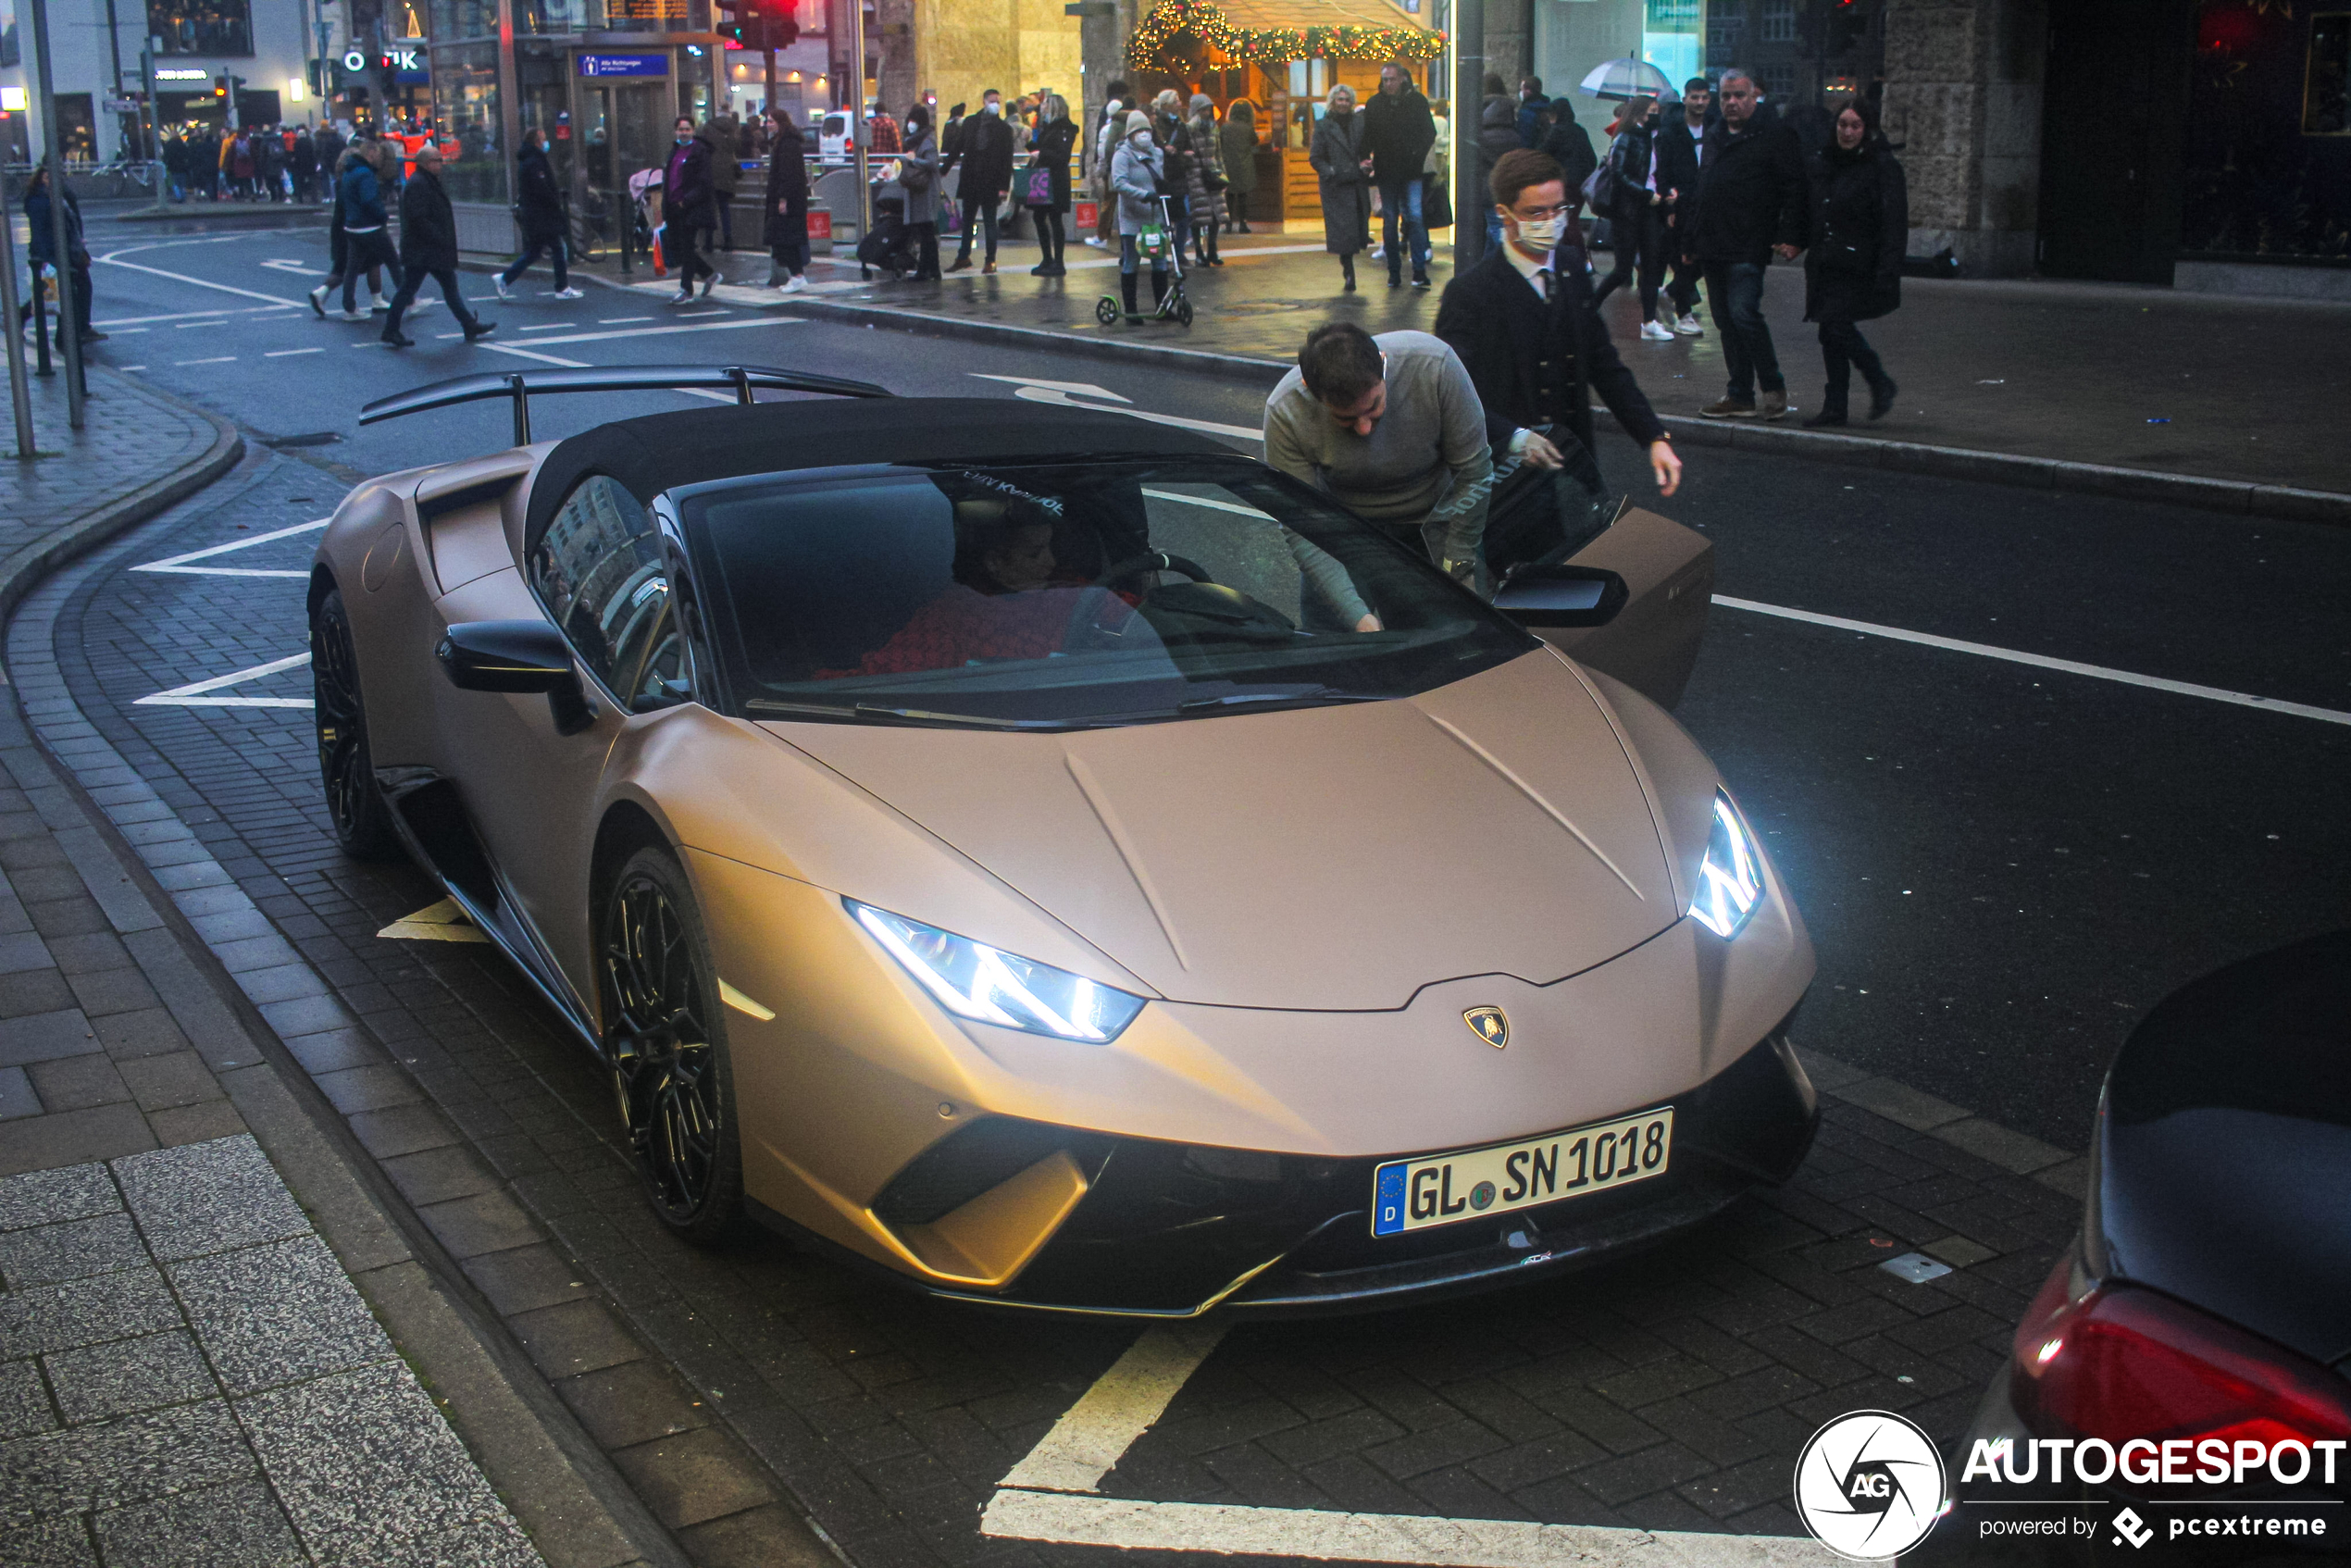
x: 2002, y: 866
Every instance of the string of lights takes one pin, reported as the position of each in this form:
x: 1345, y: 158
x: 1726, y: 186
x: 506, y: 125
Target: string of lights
x: 1270, y: 45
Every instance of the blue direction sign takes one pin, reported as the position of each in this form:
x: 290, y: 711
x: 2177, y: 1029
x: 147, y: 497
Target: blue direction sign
x: 623, y: 64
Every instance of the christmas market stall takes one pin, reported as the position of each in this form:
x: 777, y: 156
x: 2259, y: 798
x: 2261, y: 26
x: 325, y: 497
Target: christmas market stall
x: 1283, y: 57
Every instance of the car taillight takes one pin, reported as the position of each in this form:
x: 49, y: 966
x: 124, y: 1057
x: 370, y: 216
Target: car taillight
x: 2120, y: 1362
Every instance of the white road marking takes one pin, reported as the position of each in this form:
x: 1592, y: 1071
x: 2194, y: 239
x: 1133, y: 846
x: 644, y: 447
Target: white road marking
x: 285, y: 353
x: 179, y: 563
x: 552, y: 326
x: 111, y: 260
x: 216, y: 359
x: 193, y: 694
x: 130, y: 367
x: 1054, y: 1495
x: 665, y: 332
x: 2042, y: 661
x: 1086, y: 1443
x: 184, y: 314
x: 583, y: 365
x: 280, y: 264
x: 1059, y: 392
x: 442, y: 922
x: 617, y: 321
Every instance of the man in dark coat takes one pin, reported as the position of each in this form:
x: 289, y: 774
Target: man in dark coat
x: 1522, y: 323
x: 986, y: 153
x: 688, y: 209
x: 1397, y: 132
x: 539, y: 213
x: 1569, y: 143
x: 1680, y: 147
x: 1751, y: 194
x: 1533, y: 106
x: 429, y: 249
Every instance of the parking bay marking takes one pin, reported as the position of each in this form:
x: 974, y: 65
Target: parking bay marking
x: 197, y: 693
x: 2041, y: 661
x: 178, y: 564
x: 1054, y: 1494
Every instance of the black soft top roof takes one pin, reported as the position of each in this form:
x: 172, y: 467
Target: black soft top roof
x: 662, y: 452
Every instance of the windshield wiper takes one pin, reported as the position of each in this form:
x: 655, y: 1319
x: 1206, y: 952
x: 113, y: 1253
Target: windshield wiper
x: 1299, y: 699
x: 872, y: 713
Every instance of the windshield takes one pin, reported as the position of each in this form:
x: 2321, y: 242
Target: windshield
x: 1066, y: 594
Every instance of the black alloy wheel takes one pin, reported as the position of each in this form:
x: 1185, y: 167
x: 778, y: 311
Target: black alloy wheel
x: 663, y: 1040
x: 362, y: 817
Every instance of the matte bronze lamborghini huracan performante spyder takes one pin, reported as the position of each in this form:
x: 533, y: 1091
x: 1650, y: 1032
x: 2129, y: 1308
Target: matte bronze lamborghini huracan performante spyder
x: 1068, y: 864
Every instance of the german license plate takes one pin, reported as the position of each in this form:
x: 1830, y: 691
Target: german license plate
x: 1448, y: 1189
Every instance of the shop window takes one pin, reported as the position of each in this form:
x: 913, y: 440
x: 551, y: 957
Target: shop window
x: 1778, y: 80
x: 1779, y: 22
x: 454, y: 19
x: 1726, y: 23
x: 2324, y: 110
x: 465, y: 109
x: 201, y: 26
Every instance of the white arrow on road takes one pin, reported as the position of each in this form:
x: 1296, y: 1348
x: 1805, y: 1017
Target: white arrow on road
x: 1065, y: 392
x: 283, y: 264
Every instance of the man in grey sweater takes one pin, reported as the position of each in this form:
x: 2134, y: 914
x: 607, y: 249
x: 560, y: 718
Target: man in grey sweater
x: 1391, y: 429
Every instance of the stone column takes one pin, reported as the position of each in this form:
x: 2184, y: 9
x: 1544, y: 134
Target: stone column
x: 1963, y: 103
x: 1510, y: 45
x: 894, y: 20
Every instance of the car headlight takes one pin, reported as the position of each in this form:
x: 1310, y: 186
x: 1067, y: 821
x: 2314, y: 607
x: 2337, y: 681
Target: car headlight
x: 975, y: 981
x: 1730, y: 880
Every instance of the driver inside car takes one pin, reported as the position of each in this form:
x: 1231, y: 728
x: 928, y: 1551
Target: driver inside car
x: 1011, y: 598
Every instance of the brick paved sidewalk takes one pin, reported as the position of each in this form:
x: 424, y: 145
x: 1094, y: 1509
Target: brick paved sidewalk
x: 211, y: 1330
x: 2241, y: 390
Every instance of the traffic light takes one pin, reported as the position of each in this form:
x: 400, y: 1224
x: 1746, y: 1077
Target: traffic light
x: 221, y: 87
x: 758, y: 24
x: 1847, y: 24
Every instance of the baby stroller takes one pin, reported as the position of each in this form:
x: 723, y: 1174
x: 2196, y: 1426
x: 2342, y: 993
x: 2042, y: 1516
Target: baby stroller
x: 644, y: 193
x: 1151, y: 244
x: 890, y: 246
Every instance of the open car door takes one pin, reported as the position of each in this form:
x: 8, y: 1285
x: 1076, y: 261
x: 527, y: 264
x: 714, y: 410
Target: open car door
x: 1646, y: 637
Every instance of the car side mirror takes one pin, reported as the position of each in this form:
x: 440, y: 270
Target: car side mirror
x: 1561, y: 596
x: 521, y: 656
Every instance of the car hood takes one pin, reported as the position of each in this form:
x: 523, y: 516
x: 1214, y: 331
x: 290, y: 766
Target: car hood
x: 1336, y: 858
x: 2224, y: 1147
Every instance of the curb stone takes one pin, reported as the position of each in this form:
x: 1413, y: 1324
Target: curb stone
x: 580, y: 1512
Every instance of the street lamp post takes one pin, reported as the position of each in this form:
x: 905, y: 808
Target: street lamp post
x: 1470, y: 199
x: 60, y: 222
x: 19, y: 390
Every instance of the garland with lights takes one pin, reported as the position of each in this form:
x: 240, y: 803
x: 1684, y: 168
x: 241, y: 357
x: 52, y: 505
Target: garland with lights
x: 1272, y: 45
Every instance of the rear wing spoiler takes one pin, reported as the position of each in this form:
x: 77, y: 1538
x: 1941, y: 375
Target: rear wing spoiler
x: 518, y: 386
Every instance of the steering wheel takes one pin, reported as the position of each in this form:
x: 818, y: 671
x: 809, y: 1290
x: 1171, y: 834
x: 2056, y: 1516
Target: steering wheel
x: 1151, y: 560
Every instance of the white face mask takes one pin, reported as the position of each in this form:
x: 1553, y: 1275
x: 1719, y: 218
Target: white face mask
x: 1142, y: 140
x: 995, y: 108
x: 1542, y: 234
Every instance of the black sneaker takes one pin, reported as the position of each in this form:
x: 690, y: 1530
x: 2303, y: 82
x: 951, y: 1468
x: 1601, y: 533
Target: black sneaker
x: 399, y: 340
x: 480, y: 329
x: 1420, y: 279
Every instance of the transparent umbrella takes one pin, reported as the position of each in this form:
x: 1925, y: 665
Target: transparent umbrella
x: 1626, y: 77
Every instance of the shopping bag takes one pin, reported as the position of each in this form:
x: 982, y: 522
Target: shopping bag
x: 1090, y: 214
x: 1039, y: 193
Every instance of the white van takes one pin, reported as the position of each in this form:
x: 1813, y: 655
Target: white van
x: 837, y: 139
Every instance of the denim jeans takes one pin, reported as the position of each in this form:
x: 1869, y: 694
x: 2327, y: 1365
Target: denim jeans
x: 980, y: 211
x: 553, y: 249
x: 1736, y: 291
x: 1401, y: 198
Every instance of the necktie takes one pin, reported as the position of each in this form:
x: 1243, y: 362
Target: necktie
x: 1550, y: 290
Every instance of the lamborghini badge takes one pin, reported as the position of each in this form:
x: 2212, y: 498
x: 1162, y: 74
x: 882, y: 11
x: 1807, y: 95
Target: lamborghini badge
x: 1491, y: 1024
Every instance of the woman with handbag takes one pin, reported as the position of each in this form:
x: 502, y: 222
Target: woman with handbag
x: 1175, y: 153
x: 1636, y: 216
x: 1047, y: 192
x: 1853, y: 269
x: 918, y: 177
x: 785, y: 230
x: 1206, y: 181
x: 1339, y: 162
x: 1238, y: 141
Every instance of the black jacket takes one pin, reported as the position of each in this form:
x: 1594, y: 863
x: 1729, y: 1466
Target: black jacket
x: 1860, y: 229
x: 539, y: 200
x: 428, y: 229
x: 787, y: 181
x: 1751, y: 194
x: 1677, y: 168
x: 986, y: 154
x: 1398, y: 133
x: 688, y: 199
x: 1572, y: 145
x: 1536, y: 364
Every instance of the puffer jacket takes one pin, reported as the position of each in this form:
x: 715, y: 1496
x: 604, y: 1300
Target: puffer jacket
x: 1206, y: 175
x: 1135, y: 173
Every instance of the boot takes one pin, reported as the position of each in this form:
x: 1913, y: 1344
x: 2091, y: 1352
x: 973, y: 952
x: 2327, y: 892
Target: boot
x: 1882, y: 393
x: 1346, y: 264
x: 1126, y: 291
